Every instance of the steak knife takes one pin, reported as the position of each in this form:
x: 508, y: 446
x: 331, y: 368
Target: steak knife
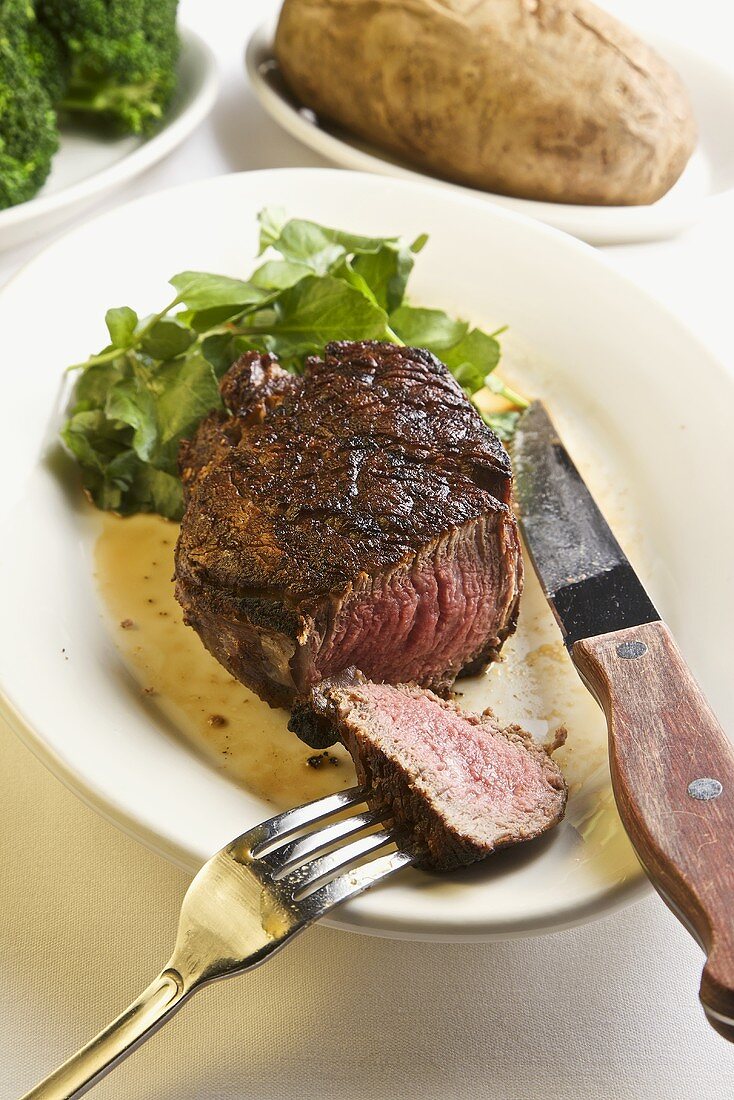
x: 672, y: 765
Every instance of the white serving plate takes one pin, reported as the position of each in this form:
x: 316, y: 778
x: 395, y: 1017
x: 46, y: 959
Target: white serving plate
x: 87, y: 165
x: 709, y: 173
x: 622, y: 372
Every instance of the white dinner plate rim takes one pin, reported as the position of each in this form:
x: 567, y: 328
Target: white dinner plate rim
x: 115, y: 813
x: 109, y: 807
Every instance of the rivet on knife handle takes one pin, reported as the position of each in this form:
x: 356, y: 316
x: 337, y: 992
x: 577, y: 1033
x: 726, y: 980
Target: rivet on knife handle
x: 673, y: 776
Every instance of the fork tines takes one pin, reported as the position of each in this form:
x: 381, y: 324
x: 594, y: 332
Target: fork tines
x: 316, y: 884
x: 271, y: 833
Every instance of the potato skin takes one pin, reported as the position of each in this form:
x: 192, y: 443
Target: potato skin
x: 544, y: 99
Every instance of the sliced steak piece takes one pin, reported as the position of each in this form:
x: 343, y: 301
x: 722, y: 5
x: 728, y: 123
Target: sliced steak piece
x: 456, y: 785
x: 358, y: 515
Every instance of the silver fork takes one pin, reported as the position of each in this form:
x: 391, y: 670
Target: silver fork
x: 247, y: 902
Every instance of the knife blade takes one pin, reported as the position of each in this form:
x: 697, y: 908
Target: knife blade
x: 671, y: 763
x: 589, y: 582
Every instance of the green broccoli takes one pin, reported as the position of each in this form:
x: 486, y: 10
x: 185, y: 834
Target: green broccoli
x: 28, y: 129
x: 122, y: 57
x: 49, y: 60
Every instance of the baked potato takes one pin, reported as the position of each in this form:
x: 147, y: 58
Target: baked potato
x: 544, y: 99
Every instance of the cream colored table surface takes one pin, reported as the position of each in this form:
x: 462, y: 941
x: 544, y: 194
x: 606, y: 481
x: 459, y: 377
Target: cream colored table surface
x: 606, y: 1012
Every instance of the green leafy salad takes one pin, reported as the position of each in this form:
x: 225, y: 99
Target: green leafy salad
x: 135, y: 401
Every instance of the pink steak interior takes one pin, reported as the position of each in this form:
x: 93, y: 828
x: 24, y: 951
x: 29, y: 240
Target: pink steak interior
x: 426, y: 620
x: 478, y: 778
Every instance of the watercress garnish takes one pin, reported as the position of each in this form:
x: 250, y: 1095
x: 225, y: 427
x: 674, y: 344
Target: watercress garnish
x: 136, y: 399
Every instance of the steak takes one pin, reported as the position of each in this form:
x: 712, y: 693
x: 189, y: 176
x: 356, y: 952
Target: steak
x: 356, y: 515
x: 456, y: 785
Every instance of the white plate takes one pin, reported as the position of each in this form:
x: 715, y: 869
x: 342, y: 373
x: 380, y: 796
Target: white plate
x: 621, y: 374
x: 710, y: 171
x: 88, y: 165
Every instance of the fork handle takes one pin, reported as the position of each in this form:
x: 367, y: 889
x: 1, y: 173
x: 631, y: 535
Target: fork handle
x: 673, y: 775
x: 136, y: 1024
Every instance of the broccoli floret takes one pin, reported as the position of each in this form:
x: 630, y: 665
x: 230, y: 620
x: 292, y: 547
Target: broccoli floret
x: 28, y: 129
x: 49, y: 60
x: 122, y: 57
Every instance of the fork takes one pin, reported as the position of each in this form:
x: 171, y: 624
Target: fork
x: 246, y: 903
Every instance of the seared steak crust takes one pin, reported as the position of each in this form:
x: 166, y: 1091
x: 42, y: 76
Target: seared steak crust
x: 358, y: 514
x: 255, y: 385
x: 456, y: 786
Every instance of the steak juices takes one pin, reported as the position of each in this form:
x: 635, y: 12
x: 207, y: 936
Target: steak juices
x: 357, y: 516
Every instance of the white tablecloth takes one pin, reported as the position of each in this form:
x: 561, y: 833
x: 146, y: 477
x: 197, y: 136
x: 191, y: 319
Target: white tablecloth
x: 606, y: 1012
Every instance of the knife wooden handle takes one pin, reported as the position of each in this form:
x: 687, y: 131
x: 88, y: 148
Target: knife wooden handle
x: 673, y: 777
